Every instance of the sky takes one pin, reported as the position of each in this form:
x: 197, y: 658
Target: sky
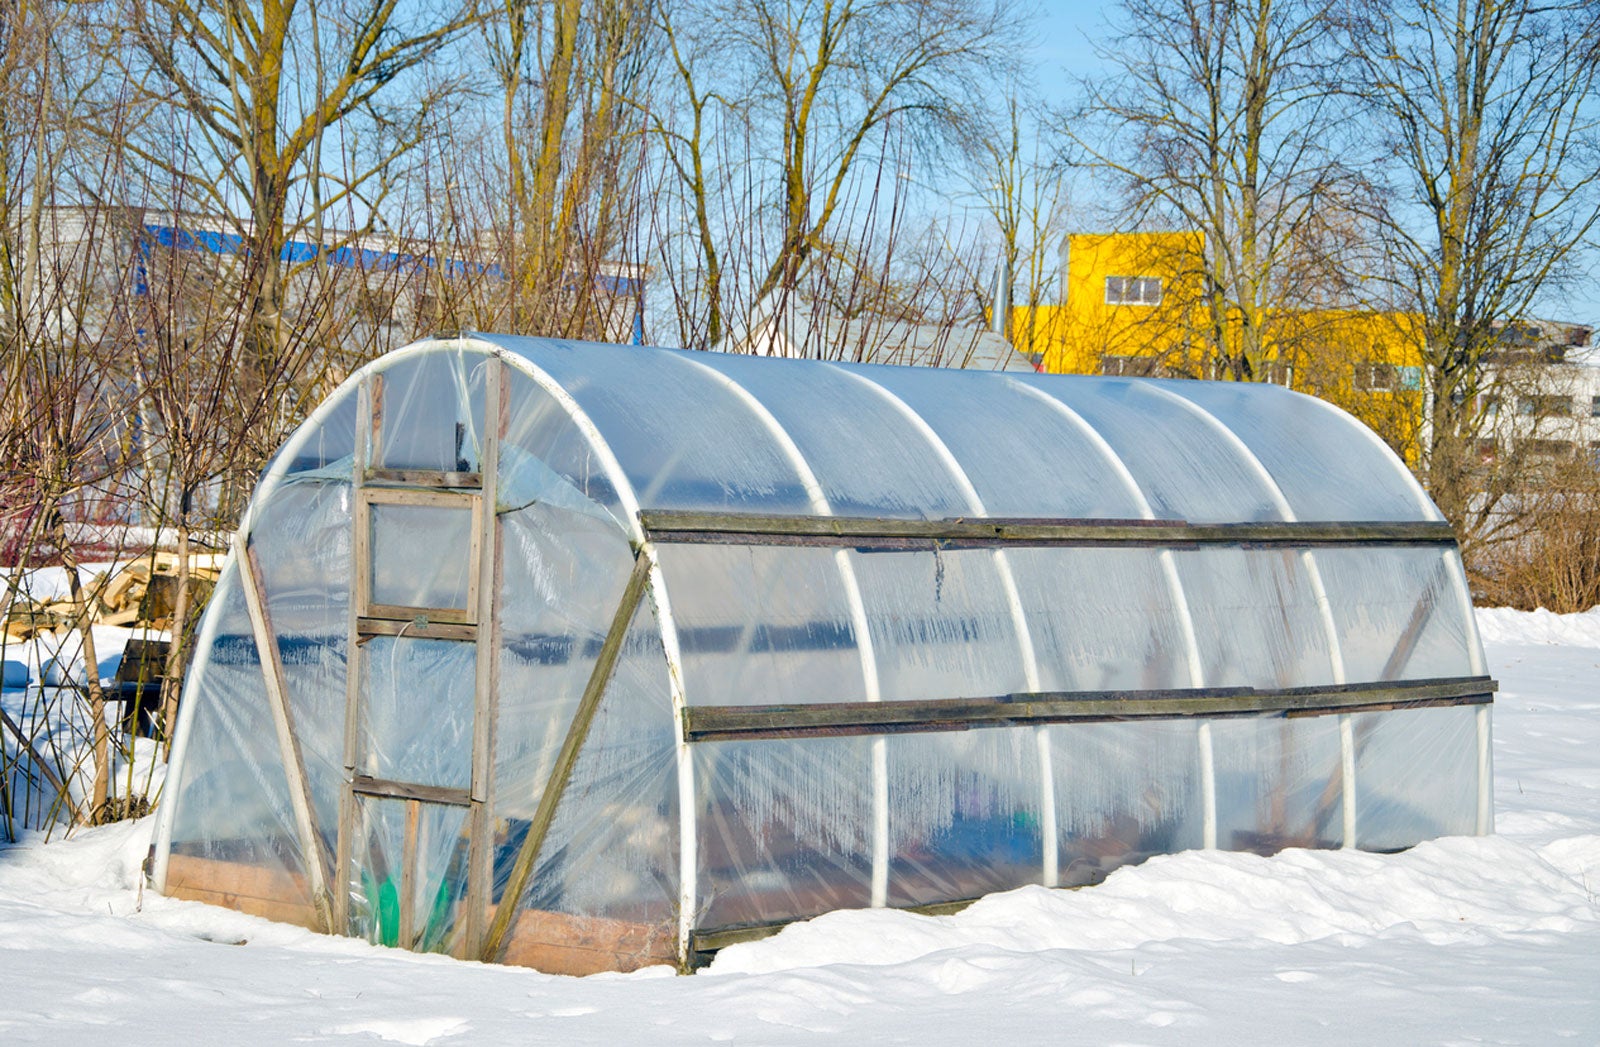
x: 1063, y: 50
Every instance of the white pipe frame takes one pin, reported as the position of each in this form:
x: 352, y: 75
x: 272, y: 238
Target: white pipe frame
x: 1457, y: 573
x: 1050, y: 846
x: 1319, y: 591
x: 1180, y: 601
x: 871, y: 683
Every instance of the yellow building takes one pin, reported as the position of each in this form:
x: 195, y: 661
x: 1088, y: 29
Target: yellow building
x: 1132, y: 304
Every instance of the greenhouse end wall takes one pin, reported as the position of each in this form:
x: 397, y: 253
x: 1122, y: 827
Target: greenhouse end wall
x: 591, y: 657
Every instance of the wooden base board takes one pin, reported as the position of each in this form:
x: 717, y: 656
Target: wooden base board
x: 260, y: 891
x: 559, y: 943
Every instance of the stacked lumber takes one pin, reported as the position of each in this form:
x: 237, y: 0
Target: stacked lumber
x: 142, y: 593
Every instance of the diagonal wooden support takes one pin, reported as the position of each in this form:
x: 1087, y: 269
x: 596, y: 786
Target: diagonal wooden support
x: 294, y: 767
x: 567, y: 759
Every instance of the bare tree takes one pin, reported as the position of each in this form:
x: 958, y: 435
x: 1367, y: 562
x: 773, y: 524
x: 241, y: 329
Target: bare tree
x: 572, y: 79
x: 796, y: 103
x: 1488, y: 126
x: 1021, y: 188
x: 1220, y: 121
x: 64, y: 412
x: 260, y: 87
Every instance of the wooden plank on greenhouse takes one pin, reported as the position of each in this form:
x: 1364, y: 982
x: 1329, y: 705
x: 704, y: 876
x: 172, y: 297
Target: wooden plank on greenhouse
x: 432, y: 478
x: 423, y: 616
x: 561, y: 943
x: 364, y: 785
x: 270, y: 893
x: 276, y: 683
x: 726, y: 722
x: 409, y: 627
x: 855, y: 532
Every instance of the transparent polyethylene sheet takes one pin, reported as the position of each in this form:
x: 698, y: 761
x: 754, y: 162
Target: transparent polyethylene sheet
x: 567, y: 572
x: 964, y: 814
x: 612, y: 850
x: 432, y: 412
x: 1285, y: 431
x: 765, y: 625
x: 762, y: 625
x: 686, y: 436
x: 785, y: 829
x: 1416, y: 776
x: 301, y: 544
x: 420, y: 555
x: 417, y: 710
x: 232, y: 796
x: 1123, y: 792
x: 380, y: 881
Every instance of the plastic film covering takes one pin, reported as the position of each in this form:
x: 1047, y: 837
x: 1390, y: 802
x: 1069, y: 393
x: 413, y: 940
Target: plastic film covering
x: 567, y: 571
x: 1185, y: 469
x: 545, y: 456
x: 1363, y: 481
x: 1398, y: 613
x: 715, y: 455
x: 941, y: 625
x: 1256, y: 617
x: 233, y: 833
x: 785, y: 829
x: 1120, y: 629
x: 323, y: 443
x: 608, y: 869
x: 408, y: 868
x: 417, y: 710
x: 1124, y: 792
x: 1416, y: 776
x: 761, y: 625
x: 964, y: 814
x: 420, y: 555
x: 1025, y: 453
x: 869, y: 459
x: 1278, y: 783
x: 301, y: 544
x: 431, y: 412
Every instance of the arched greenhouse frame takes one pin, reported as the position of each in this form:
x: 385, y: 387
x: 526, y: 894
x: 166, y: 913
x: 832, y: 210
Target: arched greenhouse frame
x: 588, y: 657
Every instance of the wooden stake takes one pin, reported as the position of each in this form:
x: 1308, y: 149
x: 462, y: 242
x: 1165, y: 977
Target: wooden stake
x: 567, y: 759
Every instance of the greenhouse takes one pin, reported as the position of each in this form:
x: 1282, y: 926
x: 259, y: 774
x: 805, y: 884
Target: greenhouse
x: 588, y: 657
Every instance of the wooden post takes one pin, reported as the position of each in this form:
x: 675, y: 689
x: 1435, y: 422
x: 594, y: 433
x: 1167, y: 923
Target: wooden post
x: 486, y: 687
x: 367, y: 414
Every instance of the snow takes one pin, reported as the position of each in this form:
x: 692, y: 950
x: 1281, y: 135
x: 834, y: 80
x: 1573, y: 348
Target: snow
x: 1491, y: 940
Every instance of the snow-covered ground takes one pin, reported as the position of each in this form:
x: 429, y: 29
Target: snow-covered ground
x: 1458, y: 941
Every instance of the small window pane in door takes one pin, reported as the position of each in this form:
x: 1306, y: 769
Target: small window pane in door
x: 422, y: 556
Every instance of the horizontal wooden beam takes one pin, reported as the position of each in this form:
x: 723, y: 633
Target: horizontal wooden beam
x: 420, y: 616
x: 425, y: 478
x: 389, y: 790
x: 756, y: 529
x: 412, y: 629
x: 705, y: 723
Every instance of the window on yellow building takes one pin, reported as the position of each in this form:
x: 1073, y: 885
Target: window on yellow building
x: 1133, y: 290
